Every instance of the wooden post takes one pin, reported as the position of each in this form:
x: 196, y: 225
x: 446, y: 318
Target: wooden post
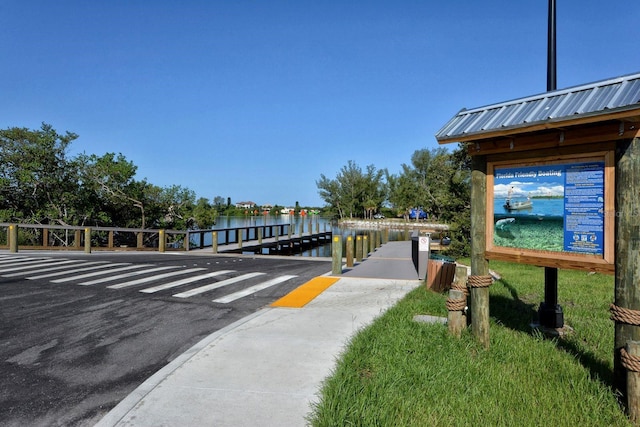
x: 13, y: 238
x: 365, y: 246
x: 239, y: 234
x: 455, y: 319
x: 214, y: 242
x: 260, y: 235
x: 385, y: 236
x: 336, y: 255
x: 45, y: 237
x: 358, y: 248
x: 87, y: 240
x: 627, y: 259
x: 140, y: 240
x: 76, y: 239
x: 110, y: 240
x: 301, y: 227
x: 349, y: 250
x: 377, y: 235
x: 633, y: 384
x: 162, y: 241
x: 479, y: 296
x: 460, y: 284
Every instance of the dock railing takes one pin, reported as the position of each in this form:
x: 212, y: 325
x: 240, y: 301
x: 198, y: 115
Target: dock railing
x: 67, y: 237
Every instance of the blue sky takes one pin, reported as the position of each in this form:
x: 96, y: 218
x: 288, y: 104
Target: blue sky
x: 253, y: 100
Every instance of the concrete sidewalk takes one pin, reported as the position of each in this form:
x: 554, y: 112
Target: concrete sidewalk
x: 267, y: 368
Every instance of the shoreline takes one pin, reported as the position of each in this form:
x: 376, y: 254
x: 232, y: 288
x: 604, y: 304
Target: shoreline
x: 374, y: 224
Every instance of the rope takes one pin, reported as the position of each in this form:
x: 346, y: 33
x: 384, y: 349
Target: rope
x: 625, y: 315
x: 630, y: 362
x: 480, y: 281
x: 456, y: 304
x: 460, y: 287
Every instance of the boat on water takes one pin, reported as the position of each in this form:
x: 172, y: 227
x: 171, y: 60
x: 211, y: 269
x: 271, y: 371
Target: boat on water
x: 512, y: 205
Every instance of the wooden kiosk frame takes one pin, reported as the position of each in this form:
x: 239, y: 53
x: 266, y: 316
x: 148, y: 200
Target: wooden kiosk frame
x: 603, y: 262
x: 598, y: 121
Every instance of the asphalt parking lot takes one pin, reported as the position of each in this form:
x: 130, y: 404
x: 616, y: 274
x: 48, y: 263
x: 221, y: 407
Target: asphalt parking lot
x: 79, y: 332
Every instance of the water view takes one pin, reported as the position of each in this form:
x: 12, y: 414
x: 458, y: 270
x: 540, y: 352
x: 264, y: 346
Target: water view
x: 312, y: 222
x: 540, y: 226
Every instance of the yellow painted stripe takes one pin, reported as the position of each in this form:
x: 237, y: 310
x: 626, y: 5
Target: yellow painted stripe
x: 305, y: 293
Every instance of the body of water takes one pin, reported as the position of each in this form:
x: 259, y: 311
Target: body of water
x: 313, y: 222
x: 541, y: 227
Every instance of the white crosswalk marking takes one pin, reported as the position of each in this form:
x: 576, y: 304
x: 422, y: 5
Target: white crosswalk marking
x: 57, y: 267
x: 216, y: 285
x: 37, y: 265
x: 185, y: 281
x: 19, y: 260
x: 154, y: 278
x: 77, y: 270
x: 86, y: 273
x: 122, y: 276
x: 98, y: 273
x: 253, y: 289
x: 23, y: 263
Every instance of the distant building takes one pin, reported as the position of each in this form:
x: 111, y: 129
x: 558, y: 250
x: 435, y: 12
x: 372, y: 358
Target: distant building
x: 245, y: 205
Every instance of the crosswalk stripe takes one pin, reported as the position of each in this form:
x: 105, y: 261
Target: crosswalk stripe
x: 58, y: 266
x: 216, y: 285
x: 185, y: 281
x: 154, y: 278
x: 77, y: 270
x: 20, y: 261
x: 122, y: 276
x: 253, y: 289
x: 37, y: 265
x: 97, y: 273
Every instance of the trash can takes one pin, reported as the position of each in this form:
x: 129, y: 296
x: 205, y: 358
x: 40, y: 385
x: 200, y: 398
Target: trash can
x: 440, y: 272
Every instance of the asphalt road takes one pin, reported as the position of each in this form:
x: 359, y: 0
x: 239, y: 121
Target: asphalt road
x: 76, y: 338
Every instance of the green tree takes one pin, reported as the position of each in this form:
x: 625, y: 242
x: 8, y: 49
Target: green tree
x: 354, y: 193
x: 204, y: 214
x: 37, y: 181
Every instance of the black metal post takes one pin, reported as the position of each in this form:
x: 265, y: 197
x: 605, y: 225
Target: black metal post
x: 551, y: 47
x: 550, y: 313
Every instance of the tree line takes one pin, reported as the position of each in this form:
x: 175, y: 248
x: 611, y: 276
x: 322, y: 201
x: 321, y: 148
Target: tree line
x: 41, y: 184
x: 436, y: 180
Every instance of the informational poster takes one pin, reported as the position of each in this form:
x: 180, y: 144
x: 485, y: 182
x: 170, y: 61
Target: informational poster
x: 551, y: 207
x: 584, y: 208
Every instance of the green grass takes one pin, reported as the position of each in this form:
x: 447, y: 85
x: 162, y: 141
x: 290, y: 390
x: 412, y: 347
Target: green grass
x: 398, y: 372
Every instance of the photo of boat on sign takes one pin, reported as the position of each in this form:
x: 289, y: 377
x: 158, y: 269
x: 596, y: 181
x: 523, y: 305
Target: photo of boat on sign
x: 551, y: 207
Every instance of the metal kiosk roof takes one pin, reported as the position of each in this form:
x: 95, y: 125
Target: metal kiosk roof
x: 616, y: 101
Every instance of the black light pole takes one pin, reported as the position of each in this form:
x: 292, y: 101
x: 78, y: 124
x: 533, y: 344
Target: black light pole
x: 550, y: 312
x: 551, y: 47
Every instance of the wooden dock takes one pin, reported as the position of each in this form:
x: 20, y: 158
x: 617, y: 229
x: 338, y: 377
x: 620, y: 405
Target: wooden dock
x: 274, y: 239
x: 281, y: 245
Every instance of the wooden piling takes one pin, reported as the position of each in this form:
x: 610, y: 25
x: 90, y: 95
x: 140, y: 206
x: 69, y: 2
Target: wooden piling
x: 479, y: 296
x: 336, y: 255
x: 455, y: 305
x: 349, y: 250
x: 87, y: 240
x: 365, y: 246
x: 358, y: 248
x: 633, y: 382
x: 162, y: 241
x: 214, y: 242
x: 627, y: 259
x: 13, y: 238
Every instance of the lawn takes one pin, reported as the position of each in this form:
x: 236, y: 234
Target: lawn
x: 398, y: 372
